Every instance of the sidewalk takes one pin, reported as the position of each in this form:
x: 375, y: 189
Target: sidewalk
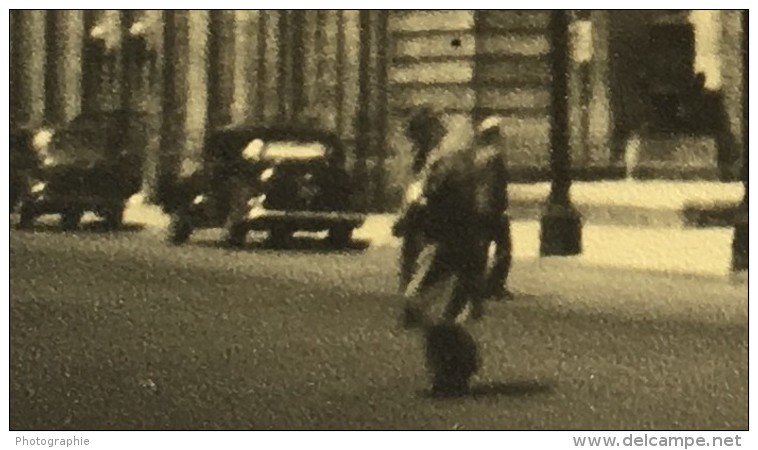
x: 630, y: 203
x: 555, y: 284
x: 627, y: 225
x: 700, y: 252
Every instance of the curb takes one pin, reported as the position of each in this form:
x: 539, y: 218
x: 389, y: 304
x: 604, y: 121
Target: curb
x: 702, y: 253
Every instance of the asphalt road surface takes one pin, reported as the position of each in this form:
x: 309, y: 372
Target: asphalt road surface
x: 121, y: 331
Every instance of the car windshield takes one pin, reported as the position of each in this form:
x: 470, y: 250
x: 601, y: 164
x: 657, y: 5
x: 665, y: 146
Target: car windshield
x: 95, y: 139
x: 294, y: 150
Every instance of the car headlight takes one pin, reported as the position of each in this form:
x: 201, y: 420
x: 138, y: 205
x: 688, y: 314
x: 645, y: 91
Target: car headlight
x: 38, y: 187
x: 253, y: 150
x: 188, y: 168
x: 256, y: 202
x: 414, y: 192
x: 42, y: 139
x: 267, y: 174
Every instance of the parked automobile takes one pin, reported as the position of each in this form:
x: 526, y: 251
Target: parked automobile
x: 279, y: 180
x: 23, y: 159
x: 94, y: 163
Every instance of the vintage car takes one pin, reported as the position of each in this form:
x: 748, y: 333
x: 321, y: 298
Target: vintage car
x: 23, y: 159
x: 280, y: 180
x: 94, y: 163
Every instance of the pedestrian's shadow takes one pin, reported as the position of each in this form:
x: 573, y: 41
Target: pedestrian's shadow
x: 492, y: 390
x: 296, y: 244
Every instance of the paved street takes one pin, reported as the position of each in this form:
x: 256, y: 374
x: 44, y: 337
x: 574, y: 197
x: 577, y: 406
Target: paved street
x: 122, y: 331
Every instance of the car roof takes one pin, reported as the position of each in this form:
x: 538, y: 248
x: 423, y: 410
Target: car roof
x: 227, y: 143
x: 119, y: 114
x: 276, y: 133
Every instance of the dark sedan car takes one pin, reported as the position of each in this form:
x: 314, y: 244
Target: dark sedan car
x: 280, y: 180
x: 23, y: 160
x: 93, y: 164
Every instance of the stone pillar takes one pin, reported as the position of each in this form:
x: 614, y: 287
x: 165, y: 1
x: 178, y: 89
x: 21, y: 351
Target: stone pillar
x: 731, y: 77
x: 245, y: 67
x: 599, y: 152
x: 101, y: 61
x: 63, y: 69
x: 312, y: 31
x: 30, y: 48
x: 141, y: 31
x: 326, y: 96
x: 371, y: 151
x: 741, y: 233
x: 16, y: 72
x: 349, y: 80
x: 197, y: 82
x: 221, y: 67
x: 92, y: 64
x: 285, y: 66
x: 174, y: 99
x: 297, y: 57
x: 268, y: 84
x: 142, y: 62
x: 578, y: 82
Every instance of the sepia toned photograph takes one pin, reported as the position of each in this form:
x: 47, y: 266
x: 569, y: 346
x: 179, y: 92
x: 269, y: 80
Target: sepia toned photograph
x: 379, y: 220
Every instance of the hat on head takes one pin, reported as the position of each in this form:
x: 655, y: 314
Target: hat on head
x: 423, y: 116
x: 491, y: 123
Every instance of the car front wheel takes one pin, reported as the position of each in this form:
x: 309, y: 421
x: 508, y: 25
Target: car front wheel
x: 236, y: 235
x: 340, y: 237
x: 114, y: 216
x: 180, y: 229
x: 279, y: 236
x: 70, y: 219
x: 28, y: 215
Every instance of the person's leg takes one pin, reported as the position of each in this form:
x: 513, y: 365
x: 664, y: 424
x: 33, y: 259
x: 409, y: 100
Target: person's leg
x: 411, y: 247
x: 471, y: 264
x: 498, y: 275
x: 432, y: 268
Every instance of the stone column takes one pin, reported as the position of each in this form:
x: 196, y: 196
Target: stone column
x: 245, y: 67
x: 372, y: 117
x: 268, y: 84
x: 285, y: 66
x: 221, y: 67
x: 350, y: 63
x: 142, y: 48
x: 16, y: 71
x: 29, y: 84
x: 63, y: 69
x: 197, y: 82
x: 599, y: 152
x: 297, y: 57
x: 741, y: 233
x: 101, y: 61
x: 174, y: 99
x: 731, y: 76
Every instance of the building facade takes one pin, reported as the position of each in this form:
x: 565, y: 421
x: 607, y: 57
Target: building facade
x: 359, y: 72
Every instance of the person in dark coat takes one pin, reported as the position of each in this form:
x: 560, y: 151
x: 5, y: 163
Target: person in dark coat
x: 425, y: 131
x: 441, y: 215
x: 492, y: 202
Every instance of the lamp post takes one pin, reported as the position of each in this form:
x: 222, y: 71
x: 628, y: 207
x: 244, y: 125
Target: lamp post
x: 740, y: 247
x: 561, y: 225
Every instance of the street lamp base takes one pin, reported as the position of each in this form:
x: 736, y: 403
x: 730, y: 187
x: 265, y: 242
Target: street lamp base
x: 740, y: 245
x: 560, y: 231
